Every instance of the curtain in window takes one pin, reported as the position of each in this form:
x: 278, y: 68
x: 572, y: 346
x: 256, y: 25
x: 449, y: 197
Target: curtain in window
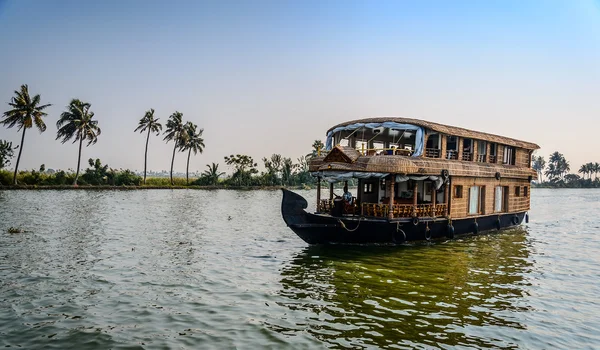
x: 474, y: 200
x: 498, y: 199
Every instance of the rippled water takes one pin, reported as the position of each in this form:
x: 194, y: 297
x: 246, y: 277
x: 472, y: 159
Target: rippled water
x: 219, y: 269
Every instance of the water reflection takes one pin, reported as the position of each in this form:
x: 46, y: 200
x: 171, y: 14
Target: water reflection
x: 411, y: 296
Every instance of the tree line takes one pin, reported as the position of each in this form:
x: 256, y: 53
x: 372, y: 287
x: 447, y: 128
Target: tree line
x: 557, y: 172
x: 77, y: 123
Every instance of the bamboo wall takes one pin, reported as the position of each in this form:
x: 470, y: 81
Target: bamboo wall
x: 460, y: 206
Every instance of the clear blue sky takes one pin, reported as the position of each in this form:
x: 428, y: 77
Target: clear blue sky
x: 265, y: 77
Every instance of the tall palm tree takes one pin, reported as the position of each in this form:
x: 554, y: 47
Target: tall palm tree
x: 78, y: 122
x: 583, y: 169
x: 213, y: 173
x: 153, y: 126
x: 25, y: 112
x: 596, y: 169
x: 191, y: 141
x: 173, y: 133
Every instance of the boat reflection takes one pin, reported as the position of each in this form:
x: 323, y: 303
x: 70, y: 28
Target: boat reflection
x: 461, y: 293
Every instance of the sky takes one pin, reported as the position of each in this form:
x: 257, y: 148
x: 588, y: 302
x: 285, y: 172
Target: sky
x: 264, y: 77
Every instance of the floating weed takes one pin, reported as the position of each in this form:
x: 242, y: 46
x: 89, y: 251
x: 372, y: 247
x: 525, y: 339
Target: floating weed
x: 15, y: 230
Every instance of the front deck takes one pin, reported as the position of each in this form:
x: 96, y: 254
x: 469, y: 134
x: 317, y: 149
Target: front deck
x: 378, y: 210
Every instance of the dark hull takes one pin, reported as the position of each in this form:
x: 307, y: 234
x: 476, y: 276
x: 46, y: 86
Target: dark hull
x: 325, y: 229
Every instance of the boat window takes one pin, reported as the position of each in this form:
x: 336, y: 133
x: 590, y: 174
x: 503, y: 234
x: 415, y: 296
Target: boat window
x: 500, y: 199
x: 509, y: 155
x: 368, y: 188
x: 467, y: 150
x: 493, y: 156
x: 451, y: 147
x: 481, y: 151
x: 434, y: 144
x: 525, y: 191
x: 474, y: 200
x: 517, y: 191
x: 458, y: 191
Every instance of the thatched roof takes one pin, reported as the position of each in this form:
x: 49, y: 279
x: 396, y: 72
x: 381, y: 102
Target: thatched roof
x: 424, y: 166
x: 342, y: 154
x: 446, y: 129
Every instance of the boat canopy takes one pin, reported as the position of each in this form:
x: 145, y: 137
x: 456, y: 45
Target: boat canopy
x: 419, y: 138
x: 336, y: 176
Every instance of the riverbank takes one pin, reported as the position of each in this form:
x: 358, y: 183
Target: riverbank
x: 147, y: 187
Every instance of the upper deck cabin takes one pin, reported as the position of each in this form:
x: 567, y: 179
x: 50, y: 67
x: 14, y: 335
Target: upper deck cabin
x: 397, y: 162
x: 423, y: 139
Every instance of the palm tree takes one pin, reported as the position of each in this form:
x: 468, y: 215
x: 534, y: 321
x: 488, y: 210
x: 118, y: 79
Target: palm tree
x: 213, y: 173
x: 583, y: 169
x: 539, y: 164
x: 596, y: 168
x: 25, y: 112
x: 173, y: 133
x: 153, y: 126
x: 78, y: 122
x: 191, y: 141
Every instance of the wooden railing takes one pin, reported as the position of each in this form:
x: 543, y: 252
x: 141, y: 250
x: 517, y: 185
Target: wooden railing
x: 432, y: 153
x: 467, y: 156
x: 324, y: 206
x: 481, y: 158
x: 493, y: 159
x: 452, y: 154
x: 403, y: 210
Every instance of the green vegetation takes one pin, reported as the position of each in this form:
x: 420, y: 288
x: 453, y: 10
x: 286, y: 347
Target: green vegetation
x: 25, y: 112
x: 558, y: 176
x: 6, y: 153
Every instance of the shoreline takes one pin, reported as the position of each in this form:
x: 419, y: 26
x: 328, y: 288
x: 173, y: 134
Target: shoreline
x: 149, y: 187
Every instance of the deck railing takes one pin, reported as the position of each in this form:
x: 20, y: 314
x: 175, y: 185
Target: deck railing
x: 403, y: 210
x: 432, y: 153
x: 452, y: 154
x: 492, y: 159
x: 481, y: 158
x: 467, y: 156
x: 383, y: 210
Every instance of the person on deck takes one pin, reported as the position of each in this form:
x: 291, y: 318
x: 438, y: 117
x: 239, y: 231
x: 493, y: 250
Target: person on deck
x: 347, y: 196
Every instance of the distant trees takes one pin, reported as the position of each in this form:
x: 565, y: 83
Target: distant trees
x: 148, y: 122
x: 212, y: 174
x: 589, y: 169
x: 173, y: 133
x: 317, y: 147
x: 557, y: 171
x: 558, y: 166
x: 26, y: 111
x: 539, y: 164
x: 78, y: 123
x: 191, y: 141
x: 244, y: 167
x: 6, y: 153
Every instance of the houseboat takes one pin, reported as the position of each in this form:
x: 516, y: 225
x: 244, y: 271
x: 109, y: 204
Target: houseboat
x: 417, y: 180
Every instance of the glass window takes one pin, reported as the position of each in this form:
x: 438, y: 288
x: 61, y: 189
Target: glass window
x: 474, y: 200
x: 499, y: 199
x: 458, y: 191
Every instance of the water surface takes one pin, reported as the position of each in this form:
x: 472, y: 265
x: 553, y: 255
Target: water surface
x: 219, y: 269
